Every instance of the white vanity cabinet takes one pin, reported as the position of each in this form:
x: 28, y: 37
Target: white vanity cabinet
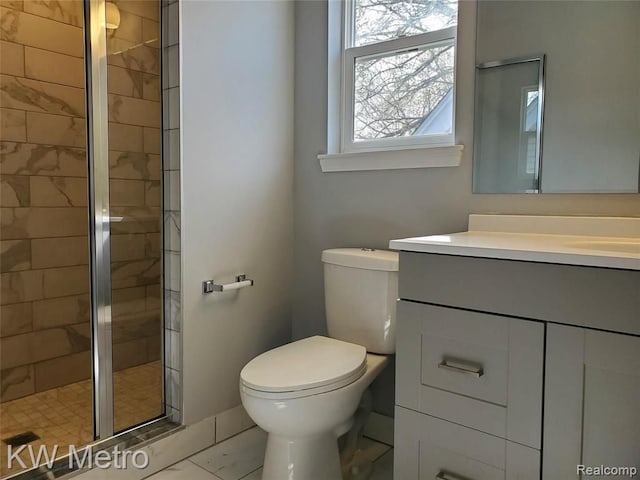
x: 469, y: 395
x: 515, y: 370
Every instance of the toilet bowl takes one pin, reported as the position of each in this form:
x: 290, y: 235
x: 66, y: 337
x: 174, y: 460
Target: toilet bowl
x: 304, y: 421
x: 305, y: 394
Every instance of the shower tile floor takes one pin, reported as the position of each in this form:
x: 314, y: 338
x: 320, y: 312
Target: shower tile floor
x: 241, y: 457
x: 64, y: 415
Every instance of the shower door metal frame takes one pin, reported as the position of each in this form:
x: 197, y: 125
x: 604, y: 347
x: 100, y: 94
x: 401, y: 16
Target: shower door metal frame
x: 99, y: 217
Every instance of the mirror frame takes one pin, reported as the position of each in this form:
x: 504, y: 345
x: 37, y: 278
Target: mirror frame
x: 541, y: 59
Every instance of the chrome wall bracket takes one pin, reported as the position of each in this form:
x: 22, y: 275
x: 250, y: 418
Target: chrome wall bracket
x: 209, y: 286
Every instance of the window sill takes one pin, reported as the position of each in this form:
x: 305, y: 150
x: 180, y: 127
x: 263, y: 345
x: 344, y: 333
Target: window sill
x: 424, y: 157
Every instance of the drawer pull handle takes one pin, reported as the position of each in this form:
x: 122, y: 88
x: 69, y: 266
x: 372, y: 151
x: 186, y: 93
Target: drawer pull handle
x: 442, y: 475
x: 461, y: 367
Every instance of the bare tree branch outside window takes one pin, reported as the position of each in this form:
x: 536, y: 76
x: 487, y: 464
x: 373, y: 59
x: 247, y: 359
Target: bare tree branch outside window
x: 396, y: 92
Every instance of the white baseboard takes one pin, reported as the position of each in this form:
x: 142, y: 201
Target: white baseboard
x: 179, y: 445
x: 379, y: 428
x: 194, y: 438
x: 162, y: 453
x: 231, y: 422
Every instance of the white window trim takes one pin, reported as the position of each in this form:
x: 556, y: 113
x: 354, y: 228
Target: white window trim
x: 398, y: 158
x: 411, y: 152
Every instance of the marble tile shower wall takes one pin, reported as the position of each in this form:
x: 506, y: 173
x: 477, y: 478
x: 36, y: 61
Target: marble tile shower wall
x: 45, y: 330
x: 171, y: 172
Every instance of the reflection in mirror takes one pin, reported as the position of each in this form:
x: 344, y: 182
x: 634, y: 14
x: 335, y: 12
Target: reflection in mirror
x: 506, y: 145
x: 591, y: 132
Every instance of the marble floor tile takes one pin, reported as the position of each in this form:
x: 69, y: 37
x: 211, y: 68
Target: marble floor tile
x: 183, y: 471
x: 373, y: 450
x: 241, y: 457
x: 257, y: 475
x: 362, y: 464
x: 383, y: 467
x: 236, y: 457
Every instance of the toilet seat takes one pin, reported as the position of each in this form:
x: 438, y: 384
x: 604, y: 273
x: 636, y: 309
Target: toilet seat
x: 306, y: 367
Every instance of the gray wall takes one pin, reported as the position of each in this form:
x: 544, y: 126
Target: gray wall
x: 370, y: 208
x: 237, y: 174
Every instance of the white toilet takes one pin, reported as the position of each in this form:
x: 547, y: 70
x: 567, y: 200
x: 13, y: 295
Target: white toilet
x: 304, y: 394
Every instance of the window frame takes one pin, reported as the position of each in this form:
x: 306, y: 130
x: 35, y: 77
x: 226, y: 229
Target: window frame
x: 349, y: 54
x: 526, y: 135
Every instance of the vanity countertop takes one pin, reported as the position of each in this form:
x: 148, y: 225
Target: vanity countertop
x: 590, y: 241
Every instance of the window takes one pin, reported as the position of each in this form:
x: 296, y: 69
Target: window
x: 397, y: 67
x: 528, y: 164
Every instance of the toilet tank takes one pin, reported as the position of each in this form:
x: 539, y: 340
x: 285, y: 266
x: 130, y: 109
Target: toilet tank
x: 360, y: 293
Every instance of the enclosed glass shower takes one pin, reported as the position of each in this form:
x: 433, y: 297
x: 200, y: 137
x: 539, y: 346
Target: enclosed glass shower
x: 81, y: 326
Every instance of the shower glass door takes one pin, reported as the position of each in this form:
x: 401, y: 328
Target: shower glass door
x: 45, y: 316
x: 135, y: 204
x: 81, y: 209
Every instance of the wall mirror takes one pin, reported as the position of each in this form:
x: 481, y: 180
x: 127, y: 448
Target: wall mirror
x: 582, y: 58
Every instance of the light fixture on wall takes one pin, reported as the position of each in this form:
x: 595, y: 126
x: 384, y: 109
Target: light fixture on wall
x: 111, y: 16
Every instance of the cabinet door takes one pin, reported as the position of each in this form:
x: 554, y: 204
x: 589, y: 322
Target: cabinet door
x: 592, y: 402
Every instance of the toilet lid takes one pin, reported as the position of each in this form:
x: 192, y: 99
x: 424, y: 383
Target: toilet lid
x: 309, y: 363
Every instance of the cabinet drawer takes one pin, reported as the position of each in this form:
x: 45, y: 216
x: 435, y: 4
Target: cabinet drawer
x: 428, y: 448
x: 478, y: 370
x: 525, y: 289
x: 465, y: 353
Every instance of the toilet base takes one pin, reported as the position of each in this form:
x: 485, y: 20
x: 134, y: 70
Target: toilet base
x: 302, y: 442
x: 306, y: 458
